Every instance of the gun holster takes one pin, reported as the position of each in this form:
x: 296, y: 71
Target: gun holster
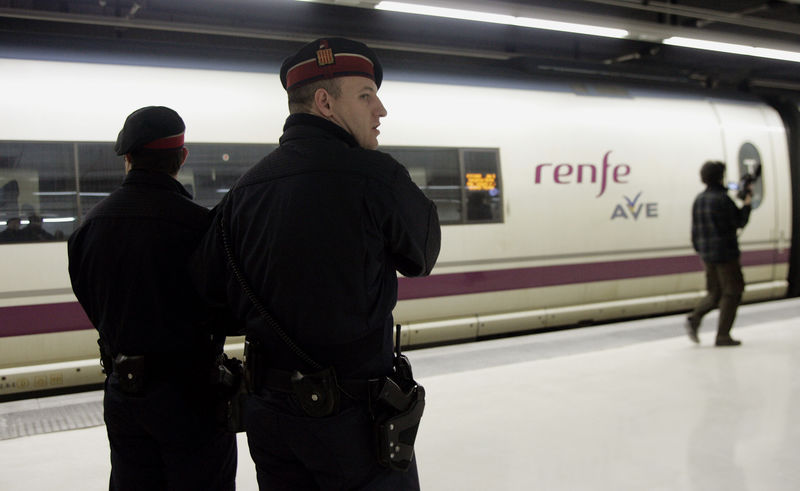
x: 224, y: 373
x: 228, y: 377
x: 317, y: 393
x: 397, y: 405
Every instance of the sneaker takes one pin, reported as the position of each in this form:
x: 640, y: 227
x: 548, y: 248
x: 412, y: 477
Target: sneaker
x: 691, y: 330
x: 727, y: 342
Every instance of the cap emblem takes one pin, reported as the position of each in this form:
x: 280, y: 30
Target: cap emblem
x: 325, y: 55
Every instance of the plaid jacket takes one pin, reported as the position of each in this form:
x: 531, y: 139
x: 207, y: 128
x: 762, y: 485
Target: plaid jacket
x: 715, y: 219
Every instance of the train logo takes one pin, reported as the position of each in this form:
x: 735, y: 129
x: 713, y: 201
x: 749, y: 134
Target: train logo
x: 633, y: 208
x: 579, y: 173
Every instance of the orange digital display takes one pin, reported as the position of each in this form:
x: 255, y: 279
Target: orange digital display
x: 481, y: 182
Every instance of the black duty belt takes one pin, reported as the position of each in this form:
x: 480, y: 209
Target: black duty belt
x: 282, y: 381
x: 135, y: 373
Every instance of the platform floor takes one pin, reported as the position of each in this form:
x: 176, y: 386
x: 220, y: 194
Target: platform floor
x: 626, y: 406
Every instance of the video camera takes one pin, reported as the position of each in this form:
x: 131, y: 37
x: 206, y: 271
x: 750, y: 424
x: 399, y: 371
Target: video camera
x: 748, y: 179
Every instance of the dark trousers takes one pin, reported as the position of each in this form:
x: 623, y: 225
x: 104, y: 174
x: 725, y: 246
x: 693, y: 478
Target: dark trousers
x: 294, y: 452
x: 169, y: 438
x: 725, y: 284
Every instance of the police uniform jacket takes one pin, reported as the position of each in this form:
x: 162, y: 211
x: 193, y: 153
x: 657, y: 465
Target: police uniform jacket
x: 320, y: 227
x: 128, y: 266
x: 715, y: 220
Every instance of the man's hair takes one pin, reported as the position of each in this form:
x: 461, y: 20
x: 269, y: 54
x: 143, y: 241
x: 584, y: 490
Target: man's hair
x: 166, y: 161
x: 712, y: 172
x: 301, y: 99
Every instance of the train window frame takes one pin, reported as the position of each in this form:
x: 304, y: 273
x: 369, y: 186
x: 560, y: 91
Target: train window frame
x: 462, y: 157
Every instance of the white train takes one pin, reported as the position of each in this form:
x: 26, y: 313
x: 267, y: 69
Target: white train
x: 560, y: 203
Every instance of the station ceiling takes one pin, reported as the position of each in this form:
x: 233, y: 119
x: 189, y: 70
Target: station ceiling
x: 245, y: 33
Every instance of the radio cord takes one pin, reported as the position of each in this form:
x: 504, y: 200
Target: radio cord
x: 262, y: 310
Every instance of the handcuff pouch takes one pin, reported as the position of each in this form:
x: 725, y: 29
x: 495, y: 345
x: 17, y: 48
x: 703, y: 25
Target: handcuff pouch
x: 316, y: 393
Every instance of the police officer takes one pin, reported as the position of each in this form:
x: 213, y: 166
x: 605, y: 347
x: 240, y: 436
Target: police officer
x: 128, y: 266
x: 715, y: 221
x: 319, y: 228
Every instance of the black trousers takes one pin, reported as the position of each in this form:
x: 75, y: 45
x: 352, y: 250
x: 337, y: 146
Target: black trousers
x: 169, y: 438
x: 294, y: 452
x: 725, y: 284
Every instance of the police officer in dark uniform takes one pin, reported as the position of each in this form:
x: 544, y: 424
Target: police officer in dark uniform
x: 318, y: 230
x: 128, y: 265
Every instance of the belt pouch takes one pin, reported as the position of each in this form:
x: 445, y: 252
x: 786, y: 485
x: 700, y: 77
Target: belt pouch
x: 130, y: 371
x: 317, y: 393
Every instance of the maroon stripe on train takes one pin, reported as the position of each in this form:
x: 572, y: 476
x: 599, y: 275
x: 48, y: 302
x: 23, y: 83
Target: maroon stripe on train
x: 40, y: 319
x: 564, y: 274
x: 60, y: 317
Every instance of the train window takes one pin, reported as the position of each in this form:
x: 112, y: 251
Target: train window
x: 101, y: 171
x: 46, y: 188
x: 37, y: 191
x: 437, y: 172
x: 42, y: 198
x: 750, y: 165
x: 464, y: 183
x: 212, y: 168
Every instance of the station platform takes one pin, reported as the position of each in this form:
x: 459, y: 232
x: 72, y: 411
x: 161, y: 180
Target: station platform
x: 625, y: 406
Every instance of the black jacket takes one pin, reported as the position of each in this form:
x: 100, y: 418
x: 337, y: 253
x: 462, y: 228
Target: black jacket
x: 128, y: 266
x: 320, y: 227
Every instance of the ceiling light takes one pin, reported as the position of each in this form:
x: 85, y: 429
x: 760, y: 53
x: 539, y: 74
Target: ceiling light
x: 473, y: 15
x: 59, y: 220
x: 738, y: 49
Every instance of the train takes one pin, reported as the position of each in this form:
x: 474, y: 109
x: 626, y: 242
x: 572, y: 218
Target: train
x: 562, y: 202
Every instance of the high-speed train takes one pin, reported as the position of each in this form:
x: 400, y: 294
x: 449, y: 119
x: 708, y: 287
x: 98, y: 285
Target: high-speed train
x: 560, y: 203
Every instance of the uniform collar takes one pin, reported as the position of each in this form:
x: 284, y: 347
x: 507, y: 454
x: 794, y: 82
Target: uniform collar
x: 140, y: 177
x: 716, y: 187
x: 302, y: 125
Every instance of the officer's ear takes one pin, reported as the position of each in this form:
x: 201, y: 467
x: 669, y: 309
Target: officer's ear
x: 184, y: 154
x: 322, y: 102
x: 128, y: 165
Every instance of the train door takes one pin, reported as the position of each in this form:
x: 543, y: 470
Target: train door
x: 753, y: 137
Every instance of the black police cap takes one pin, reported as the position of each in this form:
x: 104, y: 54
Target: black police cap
x: 152, y: 127
x: 329, y: 58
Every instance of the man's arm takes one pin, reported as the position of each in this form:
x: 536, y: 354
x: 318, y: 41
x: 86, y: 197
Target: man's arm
x: 415, y: 231
x: 742, y: 215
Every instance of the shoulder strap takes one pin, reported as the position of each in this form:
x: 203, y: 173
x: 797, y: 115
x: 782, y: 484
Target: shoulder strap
x: 262, y: 310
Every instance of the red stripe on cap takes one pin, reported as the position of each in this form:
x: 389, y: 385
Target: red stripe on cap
x: 345, y: 64
x: 175, y: 141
